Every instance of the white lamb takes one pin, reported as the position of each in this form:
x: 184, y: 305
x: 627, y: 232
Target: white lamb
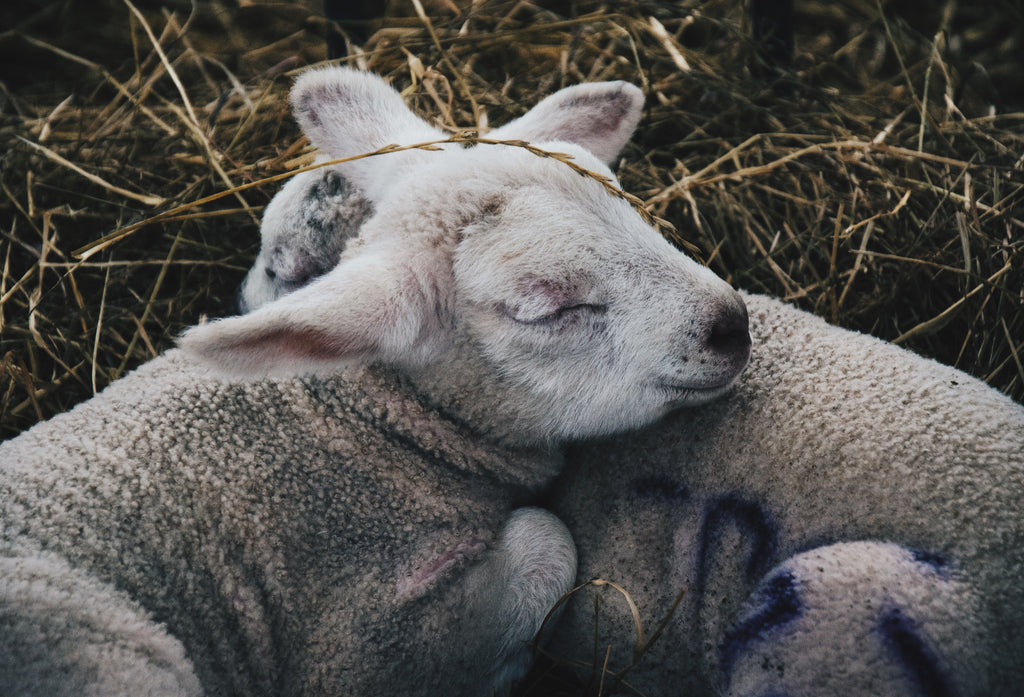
x: 193, y: 529
x: 848, y: 521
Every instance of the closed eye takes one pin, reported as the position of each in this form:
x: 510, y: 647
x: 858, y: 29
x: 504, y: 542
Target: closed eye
x: 562, y: 314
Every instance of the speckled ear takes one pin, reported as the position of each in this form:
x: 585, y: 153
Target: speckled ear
x: 598, y: 116
x: 375, y: 306
x: 346, y: 112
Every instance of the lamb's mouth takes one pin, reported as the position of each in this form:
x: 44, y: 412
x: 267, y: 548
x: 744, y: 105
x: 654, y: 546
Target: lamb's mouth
x: 681, y: 393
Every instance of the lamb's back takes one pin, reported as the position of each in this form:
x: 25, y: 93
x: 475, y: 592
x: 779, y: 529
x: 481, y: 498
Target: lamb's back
x: 242, y: 513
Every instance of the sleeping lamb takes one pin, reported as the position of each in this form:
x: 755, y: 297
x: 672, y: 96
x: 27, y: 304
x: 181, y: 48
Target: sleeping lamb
x: 303, y: 233
x: 214, y: 524
x: 846, y: 522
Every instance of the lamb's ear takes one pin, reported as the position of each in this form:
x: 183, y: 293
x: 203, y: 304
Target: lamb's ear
x: 599, y: 116
x: 347, y: 112
x: 368, y: 308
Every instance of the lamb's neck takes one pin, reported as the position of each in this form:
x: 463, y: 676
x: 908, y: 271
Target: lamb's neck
x: 468, y: 428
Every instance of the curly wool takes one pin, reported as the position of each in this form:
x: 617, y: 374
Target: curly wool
x: 254, y: 520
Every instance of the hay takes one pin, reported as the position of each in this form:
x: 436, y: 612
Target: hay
x: 879, y: 183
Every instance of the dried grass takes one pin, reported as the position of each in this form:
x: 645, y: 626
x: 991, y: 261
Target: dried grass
x: 553, y: 674
x: 880, y: 183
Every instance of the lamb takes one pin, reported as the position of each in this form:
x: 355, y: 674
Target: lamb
x: 308, y: 223
x: 324, y: 496
x: 845, y: 522
x: 303, y: 234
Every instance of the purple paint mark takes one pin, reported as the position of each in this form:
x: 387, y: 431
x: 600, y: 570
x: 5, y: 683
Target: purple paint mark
x: 778, y: 604
x: 922, y: 665
x: 751, y: 520
x: 938, y: 562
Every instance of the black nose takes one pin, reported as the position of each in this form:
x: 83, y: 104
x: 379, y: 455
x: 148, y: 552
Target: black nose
x: 730, y: 334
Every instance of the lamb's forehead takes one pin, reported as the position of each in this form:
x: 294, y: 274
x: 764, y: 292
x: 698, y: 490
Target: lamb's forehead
x: 506, y: 200
x: 488, y: 174
x: 547, y: 216
x: 283, y: 215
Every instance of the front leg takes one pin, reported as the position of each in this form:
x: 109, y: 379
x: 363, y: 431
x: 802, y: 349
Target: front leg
x: 516, y: 585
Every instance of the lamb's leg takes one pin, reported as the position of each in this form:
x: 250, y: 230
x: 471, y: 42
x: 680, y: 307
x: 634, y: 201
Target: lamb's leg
x: 64, y: 633
x: 856, y: 619
x: 531, y: 567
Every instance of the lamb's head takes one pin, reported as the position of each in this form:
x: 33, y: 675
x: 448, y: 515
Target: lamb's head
x: 304, y: 231
x: 509, y: 289
x: 309, y: 221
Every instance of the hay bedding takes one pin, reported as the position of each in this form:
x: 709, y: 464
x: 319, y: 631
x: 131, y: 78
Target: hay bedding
x: 878, y: 182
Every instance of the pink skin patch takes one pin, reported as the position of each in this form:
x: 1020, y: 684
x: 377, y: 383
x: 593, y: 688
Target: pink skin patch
x: 418, y: 581
x: 310, y: 344
x: 542, y: 299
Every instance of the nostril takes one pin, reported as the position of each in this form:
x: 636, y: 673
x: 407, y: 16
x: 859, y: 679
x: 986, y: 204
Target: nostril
x: 271, y: 274
x: 730, y: 333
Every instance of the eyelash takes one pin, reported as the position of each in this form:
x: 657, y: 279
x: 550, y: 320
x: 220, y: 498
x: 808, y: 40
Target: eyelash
x: 562, y: 314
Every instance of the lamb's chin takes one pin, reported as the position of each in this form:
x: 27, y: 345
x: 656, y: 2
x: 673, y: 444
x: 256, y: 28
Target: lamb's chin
x: 679, y: 396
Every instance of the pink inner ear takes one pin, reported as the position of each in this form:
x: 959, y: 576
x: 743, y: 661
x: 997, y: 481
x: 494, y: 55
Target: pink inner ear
x: 302, y: 344
x: 596, y: 115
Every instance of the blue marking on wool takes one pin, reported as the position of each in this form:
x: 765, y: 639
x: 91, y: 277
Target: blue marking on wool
x: 936, y: 561
x: 923, y: 667
x: 779, y: 604
x: 753, y: 523
x: 663, y: 488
